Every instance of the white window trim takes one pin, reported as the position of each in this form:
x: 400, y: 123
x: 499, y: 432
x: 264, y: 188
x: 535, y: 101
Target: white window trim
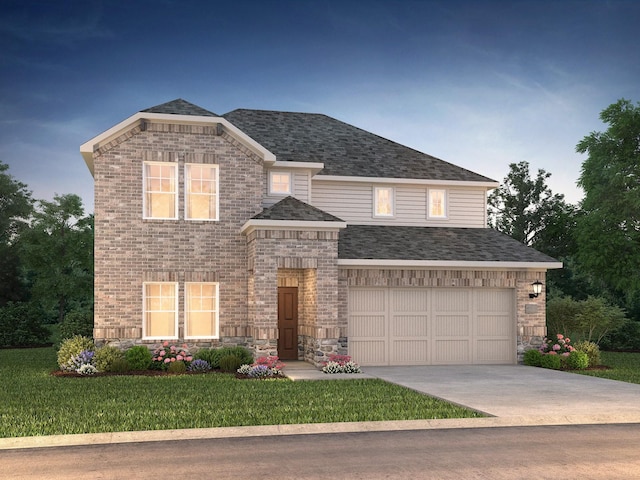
x: 280, y: 172
x: 216, y: 334
x: 144, y: 311
x: 144, y: 190
x: 392, y: 194
x: 445, y: 198
x: 186, y: 194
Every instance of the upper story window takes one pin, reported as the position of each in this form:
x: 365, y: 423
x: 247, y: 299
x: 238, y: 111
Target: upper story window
x: 279, y: 183
x: 160, y: 310
x: 201, y: 192
x: 383, y: 201
x: 160, y: 181
x: 437, y: 203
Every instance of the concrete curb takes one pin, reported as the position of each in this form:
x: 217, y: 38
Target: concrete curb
x: 306, y: 429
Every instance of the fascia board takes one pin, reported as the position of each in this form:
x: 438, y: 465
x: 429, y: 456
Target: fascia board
x: 255, y: 224
x: 414, y: 181
x: 315, y: 167
x: 87, y: 148
x: 453, y: 264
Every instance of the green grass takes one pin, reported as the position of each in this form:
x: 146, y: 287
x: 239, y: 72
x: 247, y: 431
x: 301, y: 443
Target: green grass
x: 35, y: 403
x: 623, y: 366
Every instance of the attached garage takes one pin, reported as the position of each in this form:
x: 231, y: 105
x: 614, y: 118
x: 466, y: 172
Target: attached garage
x: 432, y: 326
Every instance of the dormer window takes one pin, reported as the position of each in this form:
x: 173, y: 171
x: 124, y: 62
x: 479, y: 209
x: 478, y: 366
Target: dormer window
x: 280, y: 183
x: 383, y: 201
x: 437, y: 203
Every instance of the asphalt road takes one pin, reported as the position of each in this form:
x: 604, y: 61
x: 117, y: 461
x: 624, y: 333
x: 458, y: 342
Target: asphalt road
x: 568, y: 452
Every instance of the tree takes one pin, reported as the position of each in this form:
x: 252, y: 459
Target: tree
x: 58, y: 251
x: 16, y: 207
x: 527, y: 210
x: 609, y: 229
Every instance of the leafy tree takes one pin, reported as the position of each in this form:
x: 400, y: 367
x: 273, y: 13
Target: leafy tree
x: 16, y: 207
x: 609, y: 229
x: 525, y: 209
x: 58, y: 251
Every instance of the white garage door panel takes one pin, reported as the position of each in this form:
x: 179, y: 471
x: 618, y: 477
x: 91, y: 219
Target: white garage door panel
x: 431, y: 326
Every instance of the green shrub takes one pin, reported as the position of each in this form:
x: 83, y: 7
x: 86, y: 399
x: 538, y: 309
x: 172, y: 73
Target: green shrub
x: 213, y: 355
x: 21, y: 326
x: 591, y: 349
x: 551, y: 361
x: 72, y: 347
x: 577, y: 360
x: 138, y: 357
x: 230, y: 363
x: 177, y: 367
x: 533, y: 357
x: 119, y: 365
x: 106, y: 356
x: 77, y: 322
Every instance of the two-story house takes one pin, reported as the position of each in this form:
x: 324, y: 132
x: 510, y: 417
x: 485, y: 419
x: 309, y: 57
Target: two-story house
x: 299, y: 235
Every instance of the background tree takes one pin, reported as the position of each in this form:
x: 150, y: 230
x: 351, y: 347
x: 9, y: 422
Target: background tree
x: 58, y: 251
x: 16, y: 206
x: 609, y: 229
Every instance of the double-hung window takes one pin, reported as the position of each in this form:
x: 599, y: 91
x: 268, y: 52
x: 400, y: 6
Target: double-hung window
x: 160, y: 198
x: 160, y: 310
x: 279, y: 183
x: 383, y: 201
x: 437, y: 203
x: 201, y: 191
x: 201, y: 310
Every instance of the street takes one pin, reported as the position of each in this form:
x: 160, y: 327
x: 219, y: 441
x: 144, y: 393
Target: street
x: 575, y: 451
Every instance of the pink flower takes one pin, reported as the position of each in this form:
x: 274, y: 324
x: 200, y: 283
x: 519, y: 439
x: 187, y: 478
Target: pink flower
x: 189, y: 358
x: 173, y: 348
x: 567, y: 340
x: 167, y: 360
x: 173, y: 359
x: 556, y: 347
x: 560, y: 336
x: 179, y: 357
x: 165, y: 344
x: 565, y: 354
x: 184, y: 345
x: 162, y: 353
x: 552, y: 353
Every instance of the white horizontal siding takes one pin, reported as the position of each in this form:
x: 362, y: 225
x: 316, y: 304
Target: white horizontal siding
x: 353, y: 202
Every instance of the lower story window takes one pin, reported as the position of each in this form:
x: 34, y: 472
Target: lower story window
x: 201, y: 310
x: 160, y: 310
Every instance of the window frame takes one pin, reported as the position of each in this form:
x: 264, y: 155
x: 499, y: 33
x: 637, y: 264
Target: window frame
x: 280, y: 172
x: 145, y: 334
x: 216, y: 311
x: 187, y: 187
x: 392, y: 202
x: 445, y: 206
x: 145, y: 192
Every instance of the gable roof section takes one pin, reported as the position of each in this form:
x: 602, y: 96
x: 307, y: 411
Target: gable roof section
x: 431, y: 246
x: 293, y: 214
x: 180, y: 107
x: 345, y: 150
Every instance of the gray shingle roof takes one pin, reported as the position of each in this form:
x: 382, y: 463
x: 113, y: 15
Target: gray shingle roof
x: 180, y: 107
x: 291, y: 208
x: 344, y: 149
x: 433, y: 243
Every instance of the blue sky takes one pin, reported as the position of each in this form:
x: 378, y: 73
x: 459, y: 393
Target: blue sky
x: 477, y: 83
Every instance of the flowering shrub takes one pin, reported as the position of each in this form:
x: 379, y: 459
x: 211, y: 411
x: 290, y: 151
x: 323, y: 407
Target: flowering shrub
x: 167, y: 353
x: 263, y: 367
x: 200, y: 366
x: 341, y: 364
x: 81, y: 363
x: 561, y: 345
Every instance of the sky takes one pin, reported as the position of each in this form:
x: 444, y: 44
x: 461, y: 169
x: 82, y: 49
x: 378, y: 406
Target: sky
x: 480, y: 84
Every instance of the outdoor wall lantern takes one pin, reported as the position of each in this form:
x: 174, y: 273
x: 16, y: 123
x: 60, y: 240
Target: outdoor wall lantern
x: 537, y: 289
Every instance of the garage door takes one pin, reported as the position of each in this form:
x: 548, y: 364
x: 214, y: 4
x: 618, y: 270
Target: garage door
x: 431, y: 326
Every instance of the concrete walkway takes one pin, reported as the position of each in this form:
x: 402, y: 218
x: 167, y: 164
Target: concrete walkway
x: 515, y: 395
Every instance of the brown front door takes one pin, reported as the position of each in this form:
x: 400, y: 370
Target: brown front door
x: 288, y: 323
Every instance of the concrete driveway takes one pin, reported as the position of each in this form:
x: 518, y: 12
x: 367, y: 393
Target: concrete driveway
x: 521, y: 391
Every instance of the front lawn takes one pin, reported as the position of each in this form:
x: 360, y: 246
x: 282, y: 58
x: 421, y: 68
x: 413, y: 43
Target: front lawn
x: 36, y: 403
x: 623, y: 366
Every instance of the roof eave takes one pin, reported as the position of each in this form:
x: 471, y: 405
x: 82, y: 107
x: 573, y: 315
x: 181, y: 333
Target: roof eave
x: 448, y: 264
x: 88, y: 148
x: 415, y: 181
